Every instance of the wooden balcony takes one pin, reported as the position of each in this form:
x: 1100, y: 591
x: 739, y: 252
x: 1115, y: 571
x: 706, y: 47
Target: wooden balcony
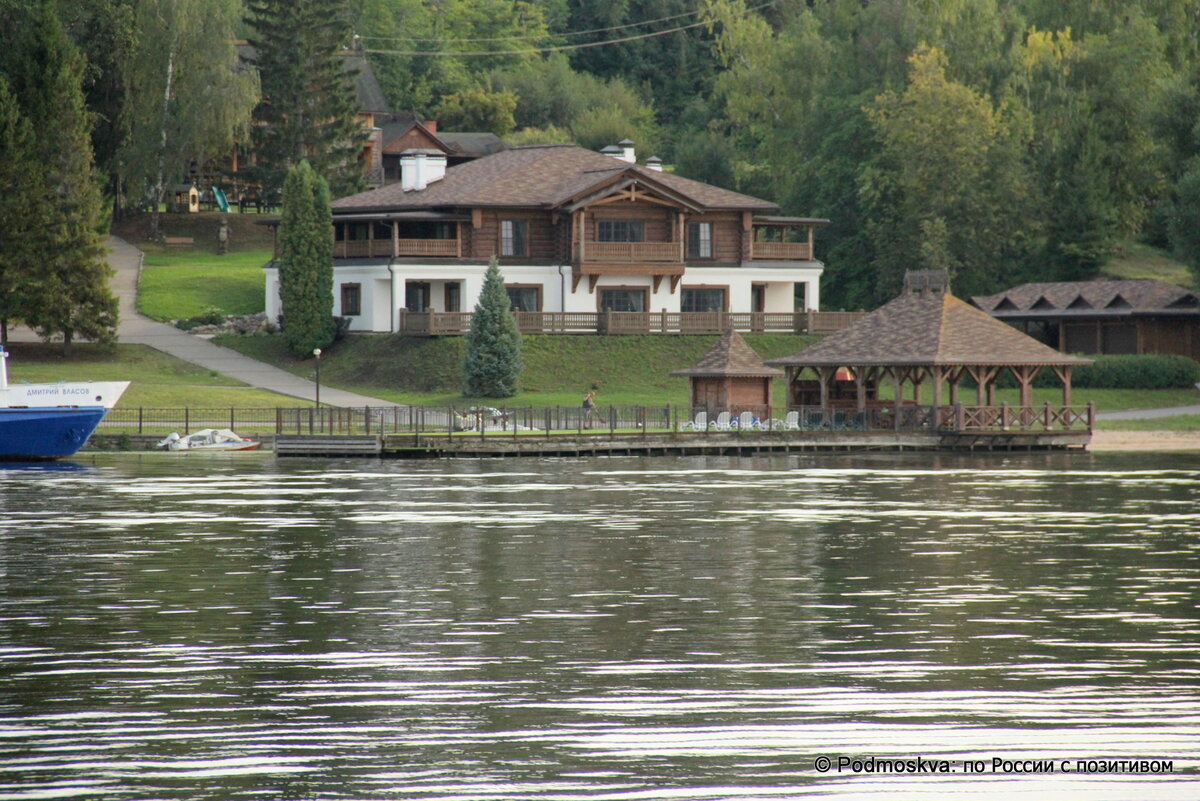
x: 629, y: 252
x: 781, y: 251
x: 382, y: 248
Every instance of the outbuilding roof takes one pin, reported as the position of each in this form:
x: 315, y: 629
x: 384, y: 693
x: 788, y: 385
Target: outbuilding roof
x: 731, y: 356
x: 1090, y: 298
x: 927, y: 328
x: 542, y: 176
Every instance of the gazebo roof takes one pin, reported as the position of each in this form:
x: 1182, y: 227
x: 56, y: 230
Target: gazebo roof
x: 730, y: 357
x: 927, y: 328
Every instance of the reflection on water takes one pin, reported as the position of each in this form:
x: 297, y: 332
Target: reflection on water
x: 183, y: 628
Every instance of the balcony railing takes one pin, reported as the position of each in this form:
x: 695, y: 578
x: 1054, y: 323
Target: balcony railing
x: 382, y: 248
x: 780, y: 251
x: 630, y: 252
x: 458, y: 323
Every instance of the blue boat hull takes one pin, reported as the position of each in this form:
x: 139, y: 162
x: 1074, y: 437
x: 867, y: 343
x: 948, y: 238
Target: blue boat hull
x: 53, y: 432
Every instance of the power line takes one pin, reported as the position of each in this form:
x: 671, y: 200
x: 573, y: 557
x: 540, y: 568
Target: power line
x: 564, y: 34
x: 539, y: 50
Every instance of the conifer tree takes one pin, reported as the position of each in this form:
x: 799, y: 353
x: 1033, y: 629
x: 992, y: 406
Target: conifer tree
x: 308, y: 109
x: 492, y: 367
x: 306, y: 262
x: 24, y: 211
x: 69, y: 295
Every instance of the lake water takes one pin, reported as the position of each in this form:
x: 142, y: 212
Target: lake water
x: 230, y: 626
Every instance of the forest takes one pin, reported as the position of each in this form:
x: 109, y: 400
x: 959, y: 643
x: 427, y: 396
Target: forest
x: 1001, y: 140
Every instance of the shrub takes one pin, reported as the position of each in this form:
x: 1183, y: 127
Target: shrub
x: 1147, y: 371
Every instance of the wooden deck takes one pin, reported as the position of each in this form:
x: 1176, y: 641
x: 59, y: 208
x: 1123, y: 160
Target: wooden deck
x: 435, y: 446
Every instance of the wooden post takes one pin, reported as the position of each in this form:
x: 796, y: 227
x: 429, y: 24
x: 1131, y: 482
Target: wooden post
x: 1004, y: 417
x: 860, y: 389
x: 1046, y: 417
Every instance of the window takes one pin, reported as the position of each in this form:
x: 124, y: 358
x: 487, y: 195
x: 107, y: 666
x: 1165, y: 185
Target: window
x: 454, y: 297
x: 702, y: 299
x: 699, y: 242
x: 514, y: 239
x: 524, y: 298
x: 621, y: 231
x: 351, y: 300
x: 623, y: 299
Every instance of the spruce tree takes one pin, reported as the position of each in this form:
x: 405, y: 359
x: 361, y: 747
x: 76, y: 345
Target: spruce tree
x: 24, y: 211
x: 69, y: 295
x: 309, y: 104
x: 306, y: 262
x: 492, y: 367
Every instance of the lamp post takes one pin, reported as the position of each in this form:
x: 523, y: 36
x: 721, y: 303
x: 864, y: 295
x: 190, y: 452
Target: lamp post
x: 317, y: 353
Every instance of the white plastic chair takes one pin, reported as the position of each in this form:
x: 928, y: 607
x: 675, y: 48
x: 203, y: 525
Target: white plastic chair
x: 790, y: 422
x: 722, y: 423
x: 699, y: 424
x: 745, y: 421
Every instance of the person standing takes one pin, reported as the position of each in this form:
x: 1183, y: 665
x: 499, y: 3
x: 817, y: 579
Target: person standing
x: 589, y: 408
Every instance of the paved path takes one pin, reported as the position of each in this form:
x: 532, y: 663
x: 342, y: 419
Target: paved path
x: 126, y: 261
x: 1143, y: 414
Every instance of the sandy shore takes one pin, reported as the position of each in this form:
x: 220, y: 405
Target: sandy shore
x: 1145, y: 441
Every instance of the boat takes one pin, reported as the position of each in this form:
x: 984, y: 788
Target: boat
x: 50, y: 421
x: 209, y: 439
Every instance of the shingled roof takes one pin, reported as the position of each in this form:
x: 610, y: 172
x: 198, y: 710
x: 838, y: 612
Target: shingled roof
x: 925, y: 329
x: 1090, y: 298
x: 541, y: 176
x: 730, y: 357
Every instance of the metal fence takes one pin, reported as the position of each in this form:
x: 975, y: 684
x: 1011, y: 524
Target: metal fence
x: 530, y: 420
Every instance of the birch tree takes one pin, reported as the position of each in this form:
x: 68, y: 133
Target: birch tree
x: 187, y: 97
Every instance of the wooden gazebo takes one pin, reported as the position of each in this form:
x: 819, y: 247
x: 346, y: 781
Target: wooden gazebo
x: 731, y: 377
x: 924, y: 336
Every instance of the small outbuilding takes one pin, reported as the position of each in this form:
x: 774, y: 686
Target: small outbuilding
x: 731, y: 377
x: 185, y: 199
x: 924, y: 337
x: 1134, y: 315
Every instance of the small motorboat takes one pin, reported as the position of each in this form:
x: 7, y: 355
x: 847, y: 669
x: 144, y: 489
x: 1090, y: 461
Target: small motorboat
x: 209, y: 439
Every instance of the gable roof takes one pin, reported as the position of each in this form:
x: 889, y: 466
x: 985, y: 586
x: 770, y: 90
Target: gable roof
x: 730, y: 357
x: 1124, y: 296
x: 925, y: 329
x: 541, y: 176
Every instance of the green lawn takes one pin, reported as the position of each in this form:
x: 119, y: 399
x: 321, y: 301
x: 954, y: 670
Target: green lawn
x: 1135, y: 260
x: 158, y: 380
x: 559, y: 369
x: 626, y: 371
x: 1182, y: 422
x: 195, y: 281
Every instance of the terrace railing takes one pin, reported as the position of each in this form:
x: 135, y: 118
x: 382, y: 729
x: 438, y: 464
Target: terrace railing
x: 458, y: 323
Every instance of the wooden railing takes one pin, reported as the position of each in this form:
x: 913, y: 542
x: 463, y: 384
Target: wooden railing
x: 446, y: 248
x: 1016, y: 418
x: 630, y: 252
x: 382, y: 248
x: 458, y: 323
x: 781, y: 251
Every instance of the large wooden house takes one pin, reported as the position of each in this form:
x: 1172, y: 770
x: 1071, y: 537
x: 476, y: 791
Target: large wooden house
x: 586, y: 241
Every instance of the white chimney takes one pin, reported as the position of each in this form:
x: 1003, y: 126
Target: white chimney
x: 654, y: 163
x: 408, y: 171
x: 614, y: 151
x: 420, y: 168
x: 435, y: 167
x: 627, y: 153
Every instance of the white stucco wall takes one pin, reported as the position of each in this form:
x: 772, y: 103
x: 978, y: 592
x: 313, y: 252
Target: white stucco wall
x: 383, y: 287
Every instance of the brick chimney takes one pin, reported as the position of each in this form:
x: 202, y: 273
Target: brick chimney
x: 431, y: 126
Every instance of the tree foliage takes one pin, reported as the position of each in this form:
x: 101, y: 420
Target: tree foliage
x: 309, y: 105
x: 492, y: 366
x: 306, y: 262
x: 184, y: 103
x: 69, y: 296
